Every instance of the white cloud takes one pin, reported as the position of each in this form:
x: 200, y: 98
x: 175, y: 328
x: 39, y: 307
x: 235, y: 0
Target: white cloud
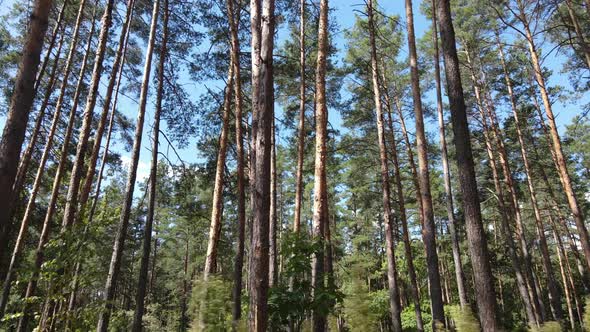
x: 143, y: 168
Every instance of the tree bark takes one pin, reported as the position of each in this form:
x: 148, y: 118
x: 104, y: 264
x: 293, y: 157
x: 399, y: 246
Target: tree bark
x: 147, y: 239
x: 301, y: 125
x: 320, y: 205
x: 75, y: 178
x: 273, y: 271
x: 262, y: 24
x: 52, y: 39
x: 118, y: 246
x: 459, y: 275
x: 478, y: 247
x: 234, y: 19
x: 217, y: 206
x: 556, y: 141
x: 394, y: 304
x: 579, y: 33
x: 428, y: 227
x: 21, y: 102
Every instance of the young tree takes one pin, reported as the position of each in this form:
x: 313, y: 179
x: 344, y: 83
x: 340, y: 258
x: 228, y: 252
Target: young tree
x: 428, y: 227
x: 301, y: 125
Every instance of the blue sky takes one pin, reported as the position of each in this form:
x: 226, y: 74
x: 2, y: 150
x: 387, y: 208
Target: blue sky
x: 345, y: 14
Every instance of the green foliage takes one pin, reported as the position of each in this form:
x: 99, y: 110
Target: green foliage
x: 211, y: 303
x: 550, y: 326
x: 464, y: 319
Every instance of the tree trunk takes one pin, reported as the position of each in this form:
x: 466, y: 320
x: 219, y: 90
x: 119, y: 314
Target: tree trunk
x: 568, y: 302
x: 394, y: 304
x: 47, y: 223
x: 217, y: 206
x: 119, y: 244
x: 88, y: 179
x: 556, y: 142
x: 30, y: 207
x: 415, y: 291
x: 26, y: 157
x: 262, y: 23
x: 478, y: 248
x: 579, y: 33
x: 515, y: 260
x: 554, y: 291
x: 272, y: 227
x: 459, y: 275
x: 234, y: 19
x: 428, y: 227
x: 320, y: 206
x: 54, y: 33
x: 147, y: 239
x: 21, y: 102
x: 75, y: 178
x: 301, y: 125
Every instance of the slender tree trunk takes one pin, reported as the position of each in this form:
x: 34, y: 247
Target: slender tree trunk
x: 21, y: 103
x: 554, y: 291
x: 579, y: 33
x: 301, y: 125
x: 47, y: 223
x: 26, y: 157
x: 515, y: 260
x: 556, y: 141
x: 415, y: 291
x: 428, y: 227
x: 234, y: 19
x: 217, y: 206
x: 568, y: 301
x: 29, y: 210
x: 88, y: 179
x: 119, y: 244
x: 320, y: 205
x: 272, y: 227
x: 459, y: 275
x: 58, y: 26
x: 478, y: 247
x: 147, y: 239
x: 394, y: 304
x: 263, y: 24
x: 75, y: 178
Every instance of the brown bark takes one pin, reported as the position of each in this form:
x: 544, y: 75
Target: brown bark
x: 234, y: 19
x: 301, y: 125
x: 91, y: 164
x: 415, y: 291
x: 478, y: 248
x: 554, y: 291
x: 147, y: 238
x: 262, y: 24
x: 217, y: 206
x: 24, y: 164
x: 394, y: 304
x: 428, y: 227
x: 459, y: 275
x: 75, y: 178
x: 272, y: 227
x: 119, y: 244
x: 21, y: 102
x: 556, y: 141
x: 568, y: 302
